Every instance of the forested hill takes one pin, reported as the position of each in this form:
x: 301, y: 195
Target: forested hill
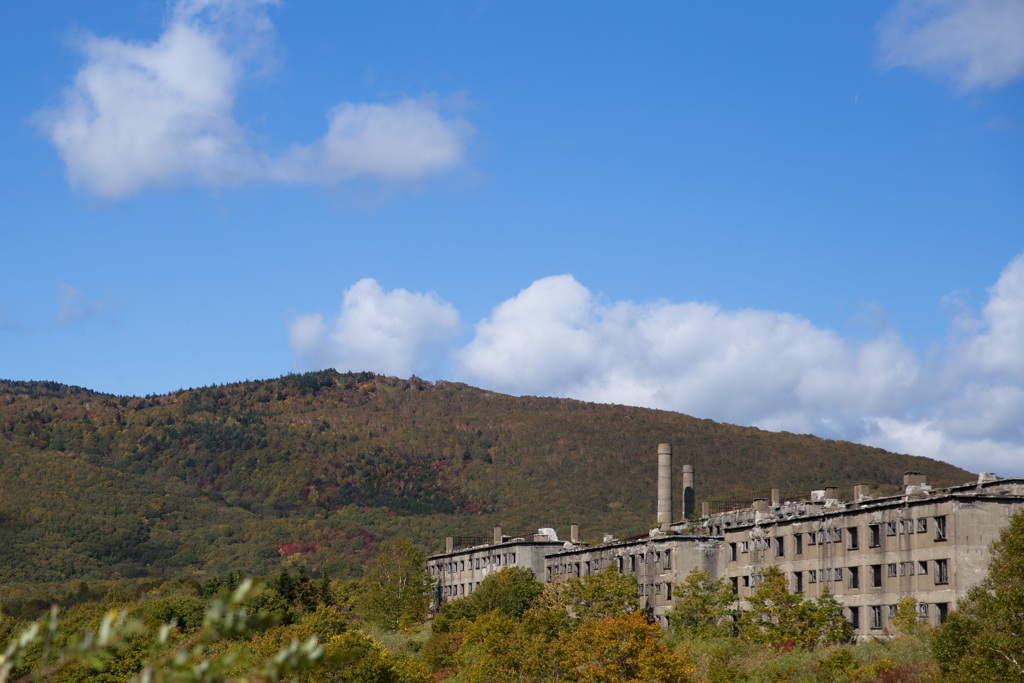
x: 320, y: 467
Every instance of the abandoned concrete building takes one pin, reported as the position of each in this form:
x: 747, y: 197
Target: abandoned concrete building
x: 931, y: 544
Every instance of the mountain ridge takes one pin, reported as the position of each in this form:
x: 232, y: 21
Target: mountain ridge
x: 319, y: 467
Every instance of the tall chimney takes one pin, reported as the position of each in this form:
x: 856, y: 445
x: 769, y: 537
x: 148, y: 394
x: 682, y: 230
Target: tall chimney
x: 689, y: 498
x: 664, y: 485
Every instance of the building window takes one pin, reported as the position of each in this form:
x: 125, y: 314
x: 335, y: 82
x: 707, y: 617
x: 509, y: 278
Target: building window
x: 732, y: 552
x: 876, y: 617
x: 890, y: 528
x: 812, y: 576
x: 941, y: 572
x: 876, y: 576
x: 736, y: 585
x: 903, y: 568
x: 798, y: 582
x: 666, y: 561
x: 744, y: 546
x: 922, y: 525
x: 922, y: 567
x: 890, y: 570
x: 855, y: 618
x: 657, y: 589
x: 874, y: 536
x: 851, y: 539
x: 837, y: 573
x: 837, y: 535
x: 942, y: 611
x: 854, y: 577
x: 826, y: 575
x: 940, y: 528
x: 668, y: 591
x: 902, y: 527
x: 892, y: 612
x: 632, y: 564
x: 922, y: 610
x: 780, y: 547
x: 812, y: 539
x: 821, y: 538
x: 513, y: 557
x: 549, y: 574
x: 746, y: 582
x: 768, y: 543
x: 798, y: 542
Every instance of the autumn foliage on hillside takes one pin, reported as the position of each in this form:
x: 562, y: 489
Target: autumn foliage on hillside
x: 320, y: 467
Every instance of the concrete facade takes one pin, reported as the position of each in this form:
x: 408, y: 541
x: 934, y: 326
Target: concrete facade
x: 658, y: 562
x: 931, y: 544
x: 458, y: 571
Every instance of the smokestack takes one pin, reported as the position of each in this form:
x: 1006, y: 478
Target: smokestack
x: 689, y: 498
x: 664, y: 485
x: 497, y: 535
x: 574, y: 533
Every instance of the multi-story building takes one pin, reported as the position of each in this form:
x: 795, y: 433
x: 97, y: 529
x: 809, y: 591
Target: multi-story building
x: 932, y: 545
x: 458, y: 571
x: 929, y: 544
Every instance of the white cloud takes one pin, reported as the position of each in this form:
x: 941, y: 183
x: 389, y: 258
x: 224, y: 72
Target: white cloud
x: 161, y: 113
x: 974, y: 43
x: 748, y: 367
x: 963, y: 403
x: 395, y: 333
x: 73, y: 306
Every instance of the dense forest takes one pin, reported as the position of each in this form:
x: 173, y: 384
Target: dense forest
x: 319, y: 468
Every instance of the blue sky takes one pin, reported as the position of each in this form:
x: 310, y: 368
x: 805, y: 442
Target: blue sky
x: 807, y: 217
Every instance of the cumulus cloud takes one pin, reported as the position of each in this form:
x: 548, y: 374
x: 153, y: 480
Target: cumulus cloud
x: 749, y: 367
x: 142, y: 114
x: 974, y: 43
x: 963, y: 403
x: 395, y: 333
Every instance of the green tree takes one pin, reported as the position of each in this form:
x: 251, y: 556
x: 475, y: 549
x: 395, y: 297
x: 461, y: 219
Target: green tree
x: 511, y: 591
x: 983, y: 640
x: 606, y: 593
x: 826, y: 623
x: 703, y: 606
x: 906, y: 621
x: 774, y: 616
x: 621, y: 648
x: 395, y: 589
